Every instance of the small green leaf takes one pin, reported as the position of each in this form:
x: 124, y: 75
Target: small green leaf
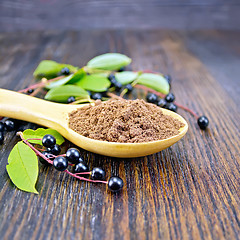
x: 40, y: 132
x: 50, y: 69
x: 109, y: 61
x: 71, y: 79
x: 94, y: 82
x: 77, y: 76
x: 126, y: 77
x: 62, y: 93
x: 154, y: 81
x: 22, y: 167
x: 60, y: 82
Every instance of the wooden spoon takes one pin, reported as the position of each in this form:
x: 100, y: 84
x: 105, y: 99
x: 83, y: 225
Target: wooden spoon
x: 55, y: 115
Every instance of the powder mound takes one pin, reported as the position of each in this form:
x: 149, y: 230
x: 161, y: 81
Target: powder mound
x: 124, y: 121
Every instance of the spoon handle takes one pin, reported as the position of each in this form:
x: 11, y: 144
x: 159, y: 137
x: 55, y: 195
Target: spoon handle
x: 23, y: 107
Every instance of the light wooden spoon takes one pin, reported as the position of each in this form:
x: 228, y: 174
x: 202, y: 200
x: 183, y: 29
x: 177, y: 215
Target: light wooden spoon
x: 55, y: 115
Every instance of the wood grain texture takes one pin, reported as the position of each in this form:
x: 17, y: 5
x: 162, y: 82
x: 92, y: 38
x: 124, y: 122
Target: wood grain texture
x: 107, y: 14
x: 188, y: 191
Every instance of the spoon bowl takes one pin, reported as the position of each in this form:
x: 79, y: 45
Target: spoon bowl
x: 55, y: 115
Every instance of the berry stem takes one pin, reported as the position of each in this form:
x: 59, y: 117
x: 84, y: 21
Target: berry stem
x: 84, y: 173
x: 187, y: 109
x: 36, y: 91
x: 112, y: 95
x: 33, y: 148
x: 85, y: 179
x: 41, y: 84
x: 33, y: 139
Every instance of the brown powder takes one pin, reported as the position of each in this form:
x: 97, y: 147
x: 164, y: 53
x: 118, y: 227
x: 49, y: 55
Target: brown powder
x: 126, y: 121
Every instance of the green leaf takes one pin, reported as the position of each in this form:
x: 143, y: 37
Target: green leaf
x: 50, y: 69
x: 154, y: 81
x: 22, y: 167
x: 109, y: 61
x: 126, y: 77
x: 94, y: 82
x: 77, y: 76
x: 40, y: 132
x: 60, y: 82
x: 62, y: 93
x: 71, y: 79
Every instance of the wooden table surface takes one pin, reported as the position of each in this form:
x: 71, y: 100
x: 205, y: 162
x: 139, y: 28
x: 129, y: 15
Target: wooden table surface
x: 188, y: 191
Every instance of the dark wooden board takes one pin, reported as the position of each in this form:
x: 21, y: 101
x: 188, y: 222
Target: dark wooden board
x: 188, y: 191
x: 108, y: 14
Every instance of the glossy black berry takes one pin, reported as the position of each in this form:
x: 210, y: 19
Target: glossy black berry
x: 10, y: 124
x: 97, y: 96
x: 98, y: 174
x: 48, y: 141
x: 30, y: 91
x: 73, y: 155
x: 121, y: 69
x: 60, y: 163
x: 65, y: 71
x: 71, y: 99
x: 89, y: 93
x: 203, y: 122
x: 115, y: 184
x: 81, y: 167
x: 2, y: 127
x: 55, y: 150
x: 47, y: 155
x: 170, y: 97
x: 168, y: 78
x: 111, y: 77
x: 161, y: 102
x: 117, y: 86
x: 113, y: 82
x: 129, y: 87
x: 171, y: 106
x: 152, y: 98
x: 1, y: 137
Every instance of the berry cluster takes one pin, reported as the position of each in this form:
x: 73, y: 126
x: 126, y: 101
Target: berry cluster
x: 167, y: 102
x: 73, y: 158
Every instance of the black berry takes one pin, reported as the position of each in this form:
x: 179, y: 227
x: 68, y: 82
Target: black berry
x: 97, y: 96
x: 55, y: 150
x: 73, y: 155
x: 81, y: 167
x: 171, y: 106
x: 30, y: 91
x: 121, y: 69
x: 203, y: 122
x: 48, y: 141
x: 65, y: 71
x: 113, y: 82
x: 2, y: 127
x: 47, y: 155
x: 71, y: 99
x: 98, y: 174
x: 1, y: 137
x: 170, y: 97
x: 151, y: 98
x: 10, y: 124
x: 117, y: 86
x: 89, y: 93
x: 168, y: 78
x: 111, y: 77
x: 129, y: 87
x: 115, y: 184
x: 60, y: 163
x: 161, y: 102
